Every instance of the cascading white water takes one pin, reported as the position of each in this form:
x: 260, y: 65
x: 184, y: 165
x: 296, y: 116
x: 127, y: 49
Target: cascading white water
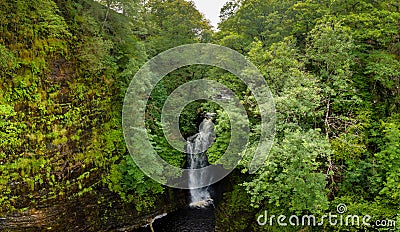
x: 196, y: 149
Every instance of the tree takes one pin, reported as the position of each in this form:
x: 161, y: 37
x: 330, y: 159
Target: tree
x: 291, y: 178
x: 330, y: 50
x: 172, y: 23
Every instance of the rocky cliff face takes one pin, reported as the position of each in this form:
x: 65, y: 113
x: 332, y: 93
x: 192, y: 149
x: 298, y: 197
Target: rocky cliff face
x: 63, y: 161
x: 102, y: 211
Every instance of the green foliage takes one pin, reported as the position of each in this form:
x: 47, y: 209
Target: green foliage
x: 223, y: 130
x: 382, y: 68
x: 60, y: 115
x: 172, y: 23
x: 8, y: 62
x: 165, y: 151
x: 291, y: 178
x: 351, y: 144
x: 264, y: 20
x: 10, y: 130
x: 389, y: 160
x: 333, y: 67
x: 188, y: 119
x: 133, y: 185
x: 297, y: 93
x: 234, y: 213
x: 329, y: 49
x: 95, y: 55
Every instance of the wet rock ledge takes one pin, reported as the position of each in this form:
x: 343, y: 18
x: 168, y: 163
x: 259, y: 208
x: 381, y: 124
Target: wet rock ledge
x: 100, y: 211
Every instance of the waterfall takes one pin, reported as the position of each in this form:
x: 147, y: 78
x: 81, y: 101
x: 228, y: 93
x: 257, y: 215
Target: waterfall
x: 196, y: 149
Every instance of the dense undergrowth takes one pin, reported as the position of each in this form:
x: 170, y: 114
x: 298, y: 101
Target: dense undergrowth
x: 332, y: 66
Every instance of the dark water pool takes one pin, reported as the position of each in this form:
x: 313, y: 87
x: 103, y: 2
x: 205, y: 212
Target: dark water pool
x: 185, y: 220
